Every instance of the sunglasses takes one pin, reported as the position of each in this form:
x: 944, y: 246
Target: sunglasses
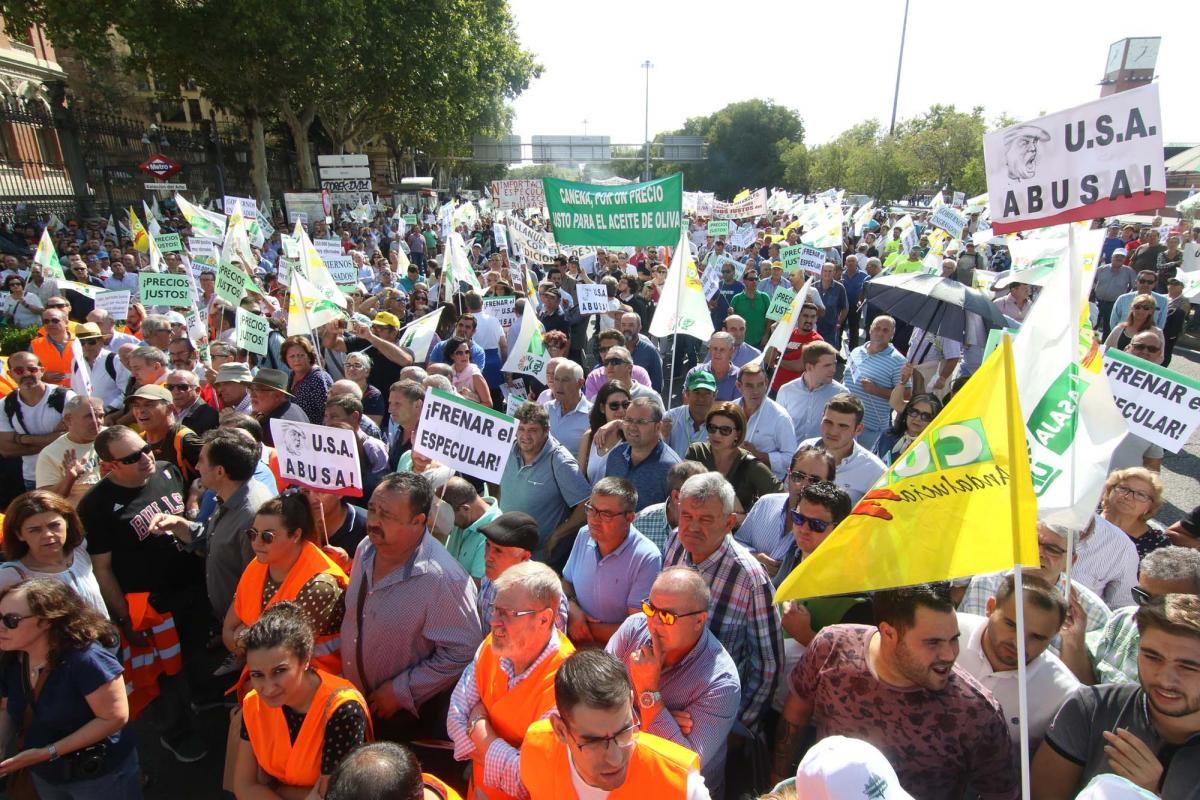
x: 179, y: 387
x: 254, y: 535
x: 814, y: 525
x: 135, y: 456
x: 615, y: 362
x: 617, y: 405
x: 724, y: 430
x: 1140, y: 598
x: 798, y: 476
x: 58, y: 305
x: 24, y: 370
x: 52, y: 321
x: 924, y: 416
x: 664, y: 616
x: 12, y: 621
x: 1145, y: 348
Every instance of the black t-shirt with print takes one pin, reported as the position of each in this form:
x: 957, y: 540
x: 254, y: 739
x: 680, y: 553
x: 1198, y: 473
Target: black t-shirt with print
x: 116, y: 520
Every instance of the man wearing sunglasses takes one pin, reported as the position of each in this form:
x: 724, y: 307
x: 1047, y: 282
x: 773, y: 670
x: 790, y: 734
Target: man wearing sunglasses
x: 31, y: 415
x: 592, y: 745
x: 685, y: 684
x: 1110, y: 655
x: 1145, y: 283
x: 53, y: 346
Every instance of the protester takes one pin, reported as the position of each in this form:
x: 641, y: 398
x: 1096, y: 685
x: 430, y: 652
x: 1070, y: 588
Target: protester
x: 31, y: 415
x: 1130, y: 500
x: 611, y: 403
x: 723, y: 453
x: 857, y: 467
x: 270, y: 399
x: 43, y: 538
x: 911, y: 421
x: 68, y: 466
x: 804, y: 399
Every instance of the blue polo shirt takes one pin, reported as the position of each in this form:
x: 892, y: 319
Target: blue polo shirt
x: 607, y: 587
x: 546, y: 489
x: 648, y: 477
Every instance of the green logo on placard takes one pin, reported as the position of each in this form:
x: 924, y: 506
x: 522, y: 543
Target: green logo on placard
x: 1056, y: 416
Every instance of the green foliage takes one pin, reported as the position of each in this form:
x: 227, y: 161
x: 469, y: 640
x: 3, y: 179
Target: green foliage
x: 941, y: 143
x: 543, y: 171
x: 797, y: 161
x: 14, y: 340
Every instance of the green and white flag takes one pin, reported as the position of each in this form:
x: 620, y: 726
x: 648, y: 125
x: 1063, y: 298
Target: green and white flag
x: 528, y: 354
x: 209, y: 224
x: 314, y: 270
x: 237, y: 242
x: 308, y: 308
x: 151, y: 221
x: 46, y: 257
x: 419, y: 334
x: 459, y: 265
x: 682, y: 307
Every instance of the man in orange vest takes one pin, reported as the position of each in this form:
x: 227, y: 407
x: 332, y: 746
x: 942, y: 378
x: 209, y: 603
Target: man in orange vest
x: 510, y: 684
x: 593, y: 743
x: 53, y: 347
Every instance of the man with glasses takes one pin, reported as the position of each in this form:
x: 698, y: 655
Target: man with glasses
x: 592, y: 745
x: 31, y: 415
x: 686, y: 686
x: 509, y: 685
x: 1146, y: 281
x: 53, y: 346
x: 598, y: 376
x: 611, y: 566
x: 190, y: 409
x: 116, y: 513
x: 752, y: 305
x: 1134, y: 450
x: 1052, y: 552
x: 1110, y: 654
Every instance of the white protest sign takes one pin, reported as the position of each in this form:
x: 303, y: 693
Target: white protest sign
x: 249, y: 206
x: 949, y: 220
x: 959, y: 199
x: 1159, y: 405
x: 318, y: 456
x: 464, y: 436
x: 781, y: 301
x: 1191, y: 257
x: 527, y: 354
x: 252, y: 331
x: 1100, y: 159
x: 328, y: 248
x: 501, y: 236
x: 115, y: 303
x: 512, y: 402
x: 753, y: 206
x: 205, y: 251
x: 801, y: 256
x: 517, y: 194
x: 711, y: 279
x: 593, y: 298
x: 587, y: 263
x: 503, y: 308
x: 342, y: 270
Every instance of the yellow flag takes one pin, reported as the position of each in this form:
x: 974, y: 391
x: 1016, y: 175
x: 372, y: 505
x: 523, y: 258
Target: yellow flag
x: 742, y: 195
x: 141, y: 239
x: 959, y: 501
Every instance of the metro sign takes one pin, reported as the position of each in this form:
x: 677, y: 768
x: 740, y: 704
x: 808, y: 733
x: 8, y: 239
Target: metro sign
x: 159, y: 166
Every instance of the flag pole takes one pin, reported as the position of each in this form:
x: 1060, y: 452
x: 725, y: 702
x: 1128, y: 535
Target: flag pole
x: 1022, y: 688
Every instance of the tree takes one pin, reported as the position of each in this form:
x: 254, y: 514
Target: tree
x: 941, y: 142
x: 796, y: 161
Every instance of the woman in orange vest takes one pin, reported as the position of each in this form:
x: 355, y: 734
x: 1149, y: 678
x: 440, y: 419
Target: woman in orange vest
x: 288, y: 565
x: 298, y: 721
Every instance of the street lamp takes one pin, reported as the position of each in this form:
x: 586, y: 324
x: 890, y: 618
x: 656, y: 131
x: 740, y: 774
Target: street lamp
x: 646, y: 65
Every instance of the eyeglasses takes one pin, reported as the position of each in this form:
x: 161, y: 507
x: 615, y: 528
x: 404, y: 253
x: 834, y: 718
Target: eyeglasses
x: 1145, y: 348
x: 1140, y: 598
x: 623, y: 739
x: 57, y: 305
x: 615, y: 362
x: 52, y: 321
x: 924, y: 416
x: 592, y: 511
x: 617, y: 405
x: 12, y: 621
x: 508, y: 615
x: 798, y: 476
x: 724, y: 430
x: 254, y: 535
x: 749, y: 278
x: 814, y: 525
x: 135, y: 456
x: 25, y: 370
x: 1127, y: 491
x: 1144, y: 308
x: 664, y: 616
x: 1052, y: 549
x: 179, y: 387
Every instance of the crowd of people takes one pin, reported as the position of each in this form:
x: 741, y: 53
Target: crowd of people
x: 601, y: 620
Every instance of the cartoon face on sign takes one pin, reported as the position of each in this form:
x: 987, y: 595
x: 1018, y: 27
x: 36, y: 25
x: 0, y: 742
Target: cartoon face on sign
x: 293, y: 442
x: 1022, y: 148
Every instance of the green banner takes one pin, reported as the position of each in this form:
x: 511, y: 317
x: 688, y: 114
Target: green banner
x: 718, y: 227
x: 230, y: 283
x: 165, y: 289
x: 616, y: 216
x: 410, y: 219
x: 169, y: 243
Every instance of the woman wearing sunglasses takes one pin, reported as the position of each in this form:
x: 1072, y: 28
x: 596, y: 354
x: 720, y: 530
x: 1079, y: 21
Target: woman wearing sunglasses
x: 468, y: 379
x: 909, y: 424
x: 23, y: 309
x: 65, y: 695
x: 612, y: 401
x: 1141, y: 318
x: 723, y: 453
x: 289, y: 565
x: 42, y: 538
x: 298, y: 721
x: 1130, y: 500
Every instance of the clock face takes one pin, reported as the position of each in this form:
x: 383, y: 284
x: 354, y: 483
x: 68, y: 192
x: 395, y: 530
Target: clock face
x: 1115, y: 52
x: 1143, y: 53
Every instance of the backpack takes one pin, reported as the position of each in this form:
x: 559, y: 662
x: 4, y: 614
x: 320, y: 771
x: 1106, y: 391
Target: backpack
x: 12, y: 405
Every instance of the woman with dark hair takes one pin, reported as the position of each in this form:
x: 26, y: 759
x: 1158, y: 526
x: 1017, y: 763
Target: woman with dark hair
x: 910, y: 423
x: 310, y: 383
x: 24, y: 310
x: 629, y: 292
x: 66, y: 697
x: 723, y: 453
x: 612, y: 401
x: 42, y: 538
x: 298, y: 721
x: 468, y: 379
x: 289, y: 565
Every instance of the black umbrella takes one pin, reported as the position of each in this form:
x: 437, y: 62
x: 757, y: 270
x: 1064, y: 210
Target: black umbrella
x: 932, y: 303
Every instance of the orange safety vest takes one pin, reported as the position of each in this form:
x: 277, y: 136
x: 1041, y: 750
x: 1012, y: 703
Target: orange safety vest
x: 511, y: 712
x: 273, y: 465
x: 7, y: 384
x: 52, y: 360
x: 657, y: 768
x: 145, y: 663
x: 297, y: 764
x: 439, y: 788
x: 247, y: 602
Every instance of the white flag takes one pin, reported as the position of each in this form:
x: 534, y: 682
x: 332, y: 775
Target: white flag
x: 203, y: 223
x: 787, y: 323
x: 308, y: 308
x: 528, y: 353
x: 459, y: 264
x: 1072, y: 423
x: 81, y: 375
x: 682, y: 307
x: 151, y: 220
x: 418, y: 335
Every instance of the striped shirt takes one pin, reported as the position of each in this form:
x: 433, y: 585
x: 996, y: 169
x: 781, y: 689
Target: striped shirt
x: 417, y: 628
x: 502, y: 763
x: 881, y: 369
x: 743, y: 618
x: 1106, y: 561
x: 704, y: 683
x: 1114, y: 650
x: 982, y: 587
x: 766, y: 528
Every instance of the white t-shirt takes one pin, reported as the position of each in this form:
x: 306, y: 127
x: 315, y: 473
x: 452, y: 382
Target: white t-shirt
x: 38, y: 421
x: 50, y: 469
x: 488, y: 331
x: 79, y: 576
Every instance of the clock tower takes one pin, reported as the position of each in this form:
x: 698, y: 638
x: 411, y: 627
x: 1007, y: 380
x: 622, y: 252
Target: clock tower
x: 1130, y: 64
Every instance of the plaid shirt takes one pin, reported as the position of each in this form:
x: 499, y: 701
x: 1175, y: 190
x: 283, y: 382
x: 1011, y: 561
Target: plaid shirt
x: 984, y: 586
x: 743, y: 618
x: 1114, y: 650
x: 651, y: 521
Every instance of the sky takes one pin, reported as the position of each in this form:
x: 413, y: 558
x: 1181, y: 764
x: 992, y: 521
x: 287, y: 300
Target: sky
x: 835, y: 62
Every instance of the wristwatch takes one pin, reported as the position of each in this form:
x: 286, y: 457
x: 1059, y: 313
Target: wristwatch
x: 53, y: 751
x: 649, y: 699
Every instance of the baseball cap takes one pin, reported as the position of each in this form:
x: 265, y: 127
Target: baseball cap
x: 702, y: 379
x: 1120, y: 251
x: 151, y: 392
x: 512, y: 529
x: 841, y: 768
x: 386, y: 318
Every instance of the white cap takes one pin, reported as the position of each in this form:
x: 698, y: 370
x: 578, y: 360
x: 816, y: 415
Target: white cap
x: 840, y: 768
x: 1113, y: 787
x: 1120, y: 251
x: 175, y: 318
